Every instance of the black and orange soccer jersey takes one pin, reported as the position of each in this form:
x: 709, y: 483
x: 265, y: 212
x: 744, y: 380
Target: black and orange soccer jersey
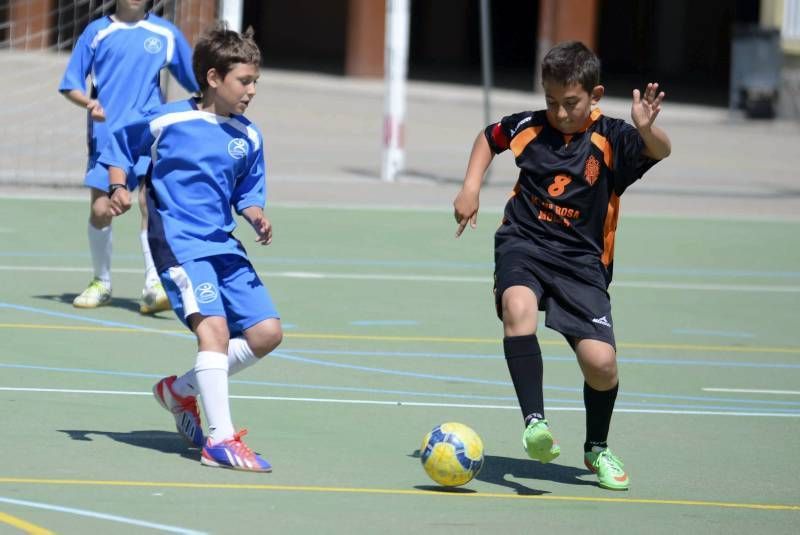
x: 565, y: 204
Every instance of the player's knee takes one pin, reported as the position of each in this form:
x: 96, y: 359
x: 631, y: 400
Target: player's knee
x: 264, y: 337
x: 519, y: 310
x: 99, y: 215
x: 600, y: 369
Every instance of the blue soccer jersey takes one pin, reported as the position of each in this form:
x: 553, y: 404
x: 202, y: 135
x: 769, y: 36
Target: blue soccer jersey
x: 203, y: 165
x: 124, y: 62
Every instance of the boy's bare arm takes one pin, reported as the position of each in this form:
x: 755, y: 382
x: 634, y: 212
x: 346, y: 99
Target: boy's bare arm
x: 77, y: 97
x: 263, y: 227
x: 467, y: 201
x: 644, y: 111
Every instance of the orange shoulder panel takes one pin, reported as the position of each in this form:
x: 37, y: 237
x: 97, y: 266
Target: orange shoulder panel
x: 521, y: 140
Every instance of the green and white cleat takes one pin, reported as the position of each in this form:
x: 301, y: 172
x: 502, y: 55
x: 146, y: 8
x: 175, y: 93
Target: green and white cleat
x: 538, y: 441
x: 95, y: 295
x: 609, y: 469
x: 154, y: 299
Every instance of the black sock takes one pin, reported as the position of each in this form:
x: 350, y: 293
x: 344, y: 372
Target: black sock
x: 599, y: 406
x: 524, y: 360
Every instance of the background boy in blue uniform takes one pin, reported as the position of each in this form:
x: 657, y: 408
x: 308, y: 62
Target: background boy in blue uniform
x: 207, y: 160
x: 124, y: 53
x: 554, y: 249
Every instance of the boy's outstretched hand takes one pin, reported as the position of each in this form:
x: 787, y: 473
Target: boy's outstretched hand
x: 646, y: 107
x: 255, y: 216
x: 263, y: 229
x: 466, y: 210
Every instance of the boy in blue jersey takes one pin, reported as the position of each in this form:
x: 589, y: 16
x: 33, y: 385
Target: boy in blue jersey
x: 123, y: 54
x: 207, y: 159
x: 554, y: 249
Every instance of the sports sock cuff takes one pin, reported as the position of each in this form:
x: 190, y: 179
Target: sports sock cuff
x: 211, y: 360
x: 521, y: 346
x: 610, y: 392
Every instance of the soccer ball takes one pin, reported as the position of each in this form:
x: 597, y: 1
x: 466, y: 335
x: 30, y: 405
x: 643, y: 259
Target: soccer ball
x: 452, y: 454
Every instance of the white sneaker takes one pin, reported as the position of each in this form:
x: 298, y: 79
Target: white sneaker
x: 95, y: 295
x: 154, y: 299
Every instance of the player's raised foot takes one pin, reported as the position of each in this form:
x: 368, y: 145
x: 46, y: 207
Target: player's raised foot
x: 609, y: 469
x: 183, y: 409
x: 95, y: 295
x: 538, y: 441
x: 233, y: 453
x: 154, y: 299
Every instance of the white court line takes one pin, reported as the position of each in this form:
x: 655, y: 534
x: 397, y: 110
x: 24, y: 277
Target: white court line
x: 399, y: 403
x: 753, y: 391
x: 446, y: 278
x: 101, y: 516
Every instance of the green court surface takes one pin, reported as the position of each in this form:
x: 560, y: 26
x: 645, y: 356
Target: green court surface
x: 389, y: 331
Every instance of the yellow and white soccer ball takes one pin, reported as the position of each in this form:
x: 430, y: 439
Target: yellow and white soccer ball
x: 452, y: 454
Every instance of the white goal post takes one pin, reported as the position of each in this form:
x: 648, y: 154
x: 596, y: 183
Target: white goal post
x: 398, y: 15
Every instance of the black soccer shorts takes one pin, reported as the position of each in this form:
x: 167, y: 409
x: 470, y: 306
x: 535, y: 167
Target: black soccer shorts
x: 572, y: 306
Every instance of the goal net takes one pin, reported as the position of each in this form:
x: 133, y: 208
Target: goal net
x: 42, y: 135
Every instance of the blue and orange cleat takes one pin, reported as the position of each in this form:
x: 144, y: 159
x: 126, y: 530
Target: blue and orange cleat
x: 233, y: 453
x: 183, y: 409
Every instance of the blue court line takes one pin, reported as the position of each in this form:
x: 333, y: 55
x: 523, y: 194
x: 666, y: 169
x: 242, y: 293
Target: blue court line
x: 724, y: 334
x: 104, y: 323
x: 549, y: 358
x: 286, y: 356
x: 107, y: 323
x: 574, y: 401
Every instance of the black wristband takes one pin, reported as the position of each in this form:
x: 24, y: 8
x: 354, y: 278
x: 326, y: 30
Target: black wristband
x: 114, y: 187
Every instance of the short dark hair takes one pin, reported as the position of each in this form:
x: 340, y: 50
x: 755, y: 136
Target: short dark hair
x: 220, y: 48
x: 572, y: 62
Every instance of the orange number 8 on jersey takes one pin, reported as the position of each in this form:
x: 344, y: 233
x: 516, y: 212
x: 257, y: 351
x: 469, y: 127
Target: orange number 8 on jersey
x: 560, y: 183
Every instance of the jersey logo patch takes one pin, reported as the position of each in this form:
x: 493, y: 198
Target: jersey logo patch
x: 153, y: 45
x: 237, y: 148
x: 592, y: 170
x: 205, y: 292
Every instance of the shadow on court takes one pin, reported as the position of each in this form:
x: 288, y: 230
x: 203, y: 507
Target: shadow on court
x: 124, y: 303
x: 496, y: 469
x: 160, y: 441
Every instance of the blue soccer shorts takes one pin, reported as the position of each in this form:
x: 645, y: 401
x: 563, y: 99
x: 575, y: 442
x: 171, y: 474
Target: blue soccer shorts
x: 97, y: 174
x: 224, y: 285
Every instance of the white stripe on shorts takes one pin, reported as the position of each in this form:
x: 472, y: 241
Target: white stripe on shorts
x: 181, y: 280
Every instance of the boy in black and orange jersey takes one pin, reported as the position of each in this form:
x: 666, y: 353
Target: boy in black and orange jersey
x: 554, y: 248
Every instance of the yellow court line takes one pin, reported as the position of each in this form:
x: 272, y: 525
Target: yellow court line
x: 27, y: 527
x: 439, y: 339
x: 407, y: 492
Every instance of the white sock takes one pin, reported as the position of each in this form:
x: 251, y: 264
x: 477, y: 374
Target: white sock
x: 100, y: 249
x: 150, y: 273
x: 240, y: 356
x: 211, y: 369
